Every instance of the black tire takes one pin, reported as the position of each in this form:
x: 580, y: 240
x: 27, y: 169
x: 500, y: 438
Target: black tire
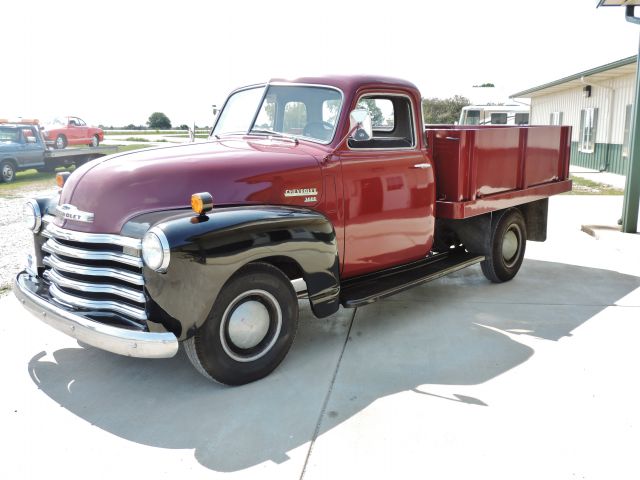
x: 61, y: 142
x: 264, y: 293
x: 95, y: 141
x: 7, y: 171
x: 508, y: 244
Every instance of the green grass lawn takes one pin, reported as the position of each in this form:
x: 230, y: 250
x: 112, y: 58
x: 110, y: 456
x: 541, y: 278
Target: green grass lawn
x: 198, y: 135
x: 135, y: 146
x: 151, y: 132
x: 28, y: 180
x: 582, y: 186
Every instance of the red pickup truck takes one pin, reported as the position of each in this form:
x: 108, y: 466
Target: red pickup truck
x: 334, y: 181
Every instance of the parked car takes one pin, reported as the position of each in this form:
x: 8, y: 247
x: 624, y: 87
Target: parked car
x: 63, y: 131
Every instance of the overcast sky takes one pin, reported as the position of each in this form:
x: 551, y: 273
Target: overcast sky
x: 116, y: 62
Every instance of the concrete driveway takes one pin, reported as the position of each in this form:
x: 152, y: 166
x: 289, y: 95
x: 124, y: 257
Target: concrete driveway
x: 460, y: 378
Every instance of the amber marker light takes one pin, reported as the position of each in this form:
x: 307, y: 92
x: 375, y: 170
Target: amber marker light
x: 61, y: 178
x: 202, y: 202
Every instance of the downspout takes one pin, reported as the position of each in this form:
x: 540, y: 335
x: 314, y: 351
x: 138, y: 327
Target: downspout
x: 610, y: 126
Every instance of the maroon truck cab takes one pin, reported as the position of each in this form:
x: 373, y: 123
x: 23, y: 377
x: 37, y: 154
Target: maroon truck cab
x: 331, y: 185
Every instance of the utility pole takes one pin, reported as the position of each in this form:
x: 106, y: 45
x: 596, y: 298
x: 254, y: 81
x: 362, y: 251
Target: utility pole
x: 632, y: 185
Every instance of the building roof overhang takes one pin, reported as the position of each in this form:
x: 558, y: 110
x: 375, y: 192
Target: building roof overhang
x: 599, y: 74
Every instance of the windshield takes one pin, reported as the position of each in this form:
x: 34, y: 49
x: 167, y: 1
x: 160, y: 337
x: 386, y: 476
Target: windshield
x: 57, y: 121
x: 470, y: 117
x: 287, y: 110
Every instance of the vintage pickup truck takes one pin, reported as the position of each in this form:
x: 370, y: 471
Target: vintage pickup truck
x: 22, y: 147
x: 332, y: 183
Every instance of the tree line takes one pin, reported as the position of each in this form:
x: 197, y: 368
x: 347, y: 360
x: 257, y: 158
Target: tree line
x: 157, y: 121
x: 443, y: 111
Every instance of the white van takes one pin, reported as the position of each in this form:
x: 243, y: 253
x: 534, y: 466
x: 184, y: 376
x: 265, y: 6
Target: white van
x: 494, y: 115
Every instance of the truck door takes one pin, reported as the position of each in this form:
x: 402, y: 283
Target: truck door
x: 389, y: 191
x: 83, y: 130
x: 31, y: 146
x: 74, y: 130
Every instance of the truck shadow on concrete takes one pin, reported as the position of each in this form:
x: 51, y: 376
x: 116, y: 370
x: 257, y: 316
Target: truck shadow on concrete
x: 457, y: 332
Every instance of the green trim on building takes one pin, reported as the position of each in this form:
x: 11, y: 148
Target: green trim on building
x: 606, y: 157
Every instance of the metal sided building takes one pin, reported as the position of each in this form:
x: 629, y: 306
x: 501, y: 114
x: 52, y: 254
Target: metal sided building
x: 597, y: 104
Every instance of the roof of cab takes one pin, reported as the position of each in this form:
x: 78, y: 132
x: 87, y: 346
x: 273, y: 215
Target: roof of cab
x: 349, y: 82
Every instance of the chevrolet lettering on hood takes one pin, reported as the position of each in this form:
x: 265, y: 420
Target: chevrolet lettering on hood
x: 69, y: 212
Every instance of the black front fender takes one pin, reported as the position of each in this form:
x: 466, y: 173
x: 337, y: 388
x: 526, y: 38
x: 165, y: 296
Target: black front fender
x: 207, y: 250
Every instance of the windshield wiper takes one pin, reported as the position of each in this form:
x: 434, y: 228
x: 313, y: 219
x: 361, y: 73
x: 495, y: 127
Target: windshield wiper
x: 274, y: 134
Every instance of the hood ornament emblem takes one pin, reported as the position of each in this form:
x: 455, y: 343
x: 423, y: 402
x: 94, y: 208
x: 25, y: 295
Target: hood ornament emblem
x: 69, y: 212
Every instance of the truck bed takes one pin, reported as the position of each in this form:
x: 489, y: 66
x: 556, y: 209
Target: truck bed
x: 484, y: 168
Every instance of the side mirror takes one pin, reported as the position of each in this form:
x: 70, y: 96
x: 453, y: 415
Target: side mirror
x: 360, y: 120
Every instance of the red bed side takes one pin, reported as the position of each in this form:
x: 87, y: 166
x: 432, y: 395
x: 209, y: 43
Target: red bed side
x: 481, y: 169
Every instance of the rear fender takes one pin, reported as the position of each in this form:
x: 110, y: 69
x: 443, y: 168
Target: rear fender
x: 475, y: 232
x: 207, y: 250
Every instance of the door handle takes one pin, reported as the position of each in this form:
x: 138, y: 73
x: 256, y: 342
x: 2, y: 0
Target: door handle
x: 423, y: 166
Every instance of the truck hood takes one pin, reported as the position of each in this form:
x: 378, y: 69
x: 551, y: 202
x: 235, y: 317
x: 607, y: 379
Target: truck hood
x: 235, y: 171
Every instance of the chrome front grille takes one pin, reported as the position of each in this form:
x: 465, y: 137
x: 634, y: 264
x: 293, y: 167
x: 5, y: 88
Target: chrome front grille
x: 96, y: 273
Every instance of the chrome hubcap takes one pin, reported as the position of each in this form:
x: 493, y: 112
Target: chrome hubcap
x: 7, y: 172
x: 510, y: 246
x: 250, y: 325
x: 59, y: 142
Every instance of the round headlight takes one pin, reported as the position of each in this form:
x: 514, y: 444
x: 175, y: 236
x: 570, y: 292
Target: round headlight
x: 155, y: 250
x: 31, y: 215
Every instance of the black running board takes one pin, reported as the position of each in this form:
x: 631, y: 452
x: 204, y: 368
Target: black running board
x: 369, y: 288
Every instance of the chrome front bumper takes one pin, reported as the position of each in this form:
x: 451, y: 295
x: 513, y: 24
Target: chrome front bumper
x: 106, y: 337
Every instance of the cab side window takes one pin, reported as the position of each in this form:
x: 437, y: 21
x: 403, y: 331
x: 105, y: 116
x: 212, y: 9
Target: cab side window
x: 28, y: 135
x: 392, y: 121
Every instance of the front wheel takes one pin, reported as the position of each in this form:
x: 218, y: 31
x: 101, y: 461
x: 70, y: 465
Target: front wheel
x: 95, y: 141
x: 7, y: 171
x: 508, y: 243
x: 250, y: 328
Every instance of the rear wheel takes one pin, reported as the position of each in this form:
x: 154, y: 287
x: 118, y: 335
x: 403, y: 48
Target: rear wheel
x: 250, y: 328
x: 7, y: 171
x: 508, y: 243
x: 61, y: 142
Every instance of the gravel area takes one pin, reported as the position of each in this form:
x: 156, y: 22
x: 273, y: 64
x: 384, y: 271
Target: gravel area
x: 15, y: 240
